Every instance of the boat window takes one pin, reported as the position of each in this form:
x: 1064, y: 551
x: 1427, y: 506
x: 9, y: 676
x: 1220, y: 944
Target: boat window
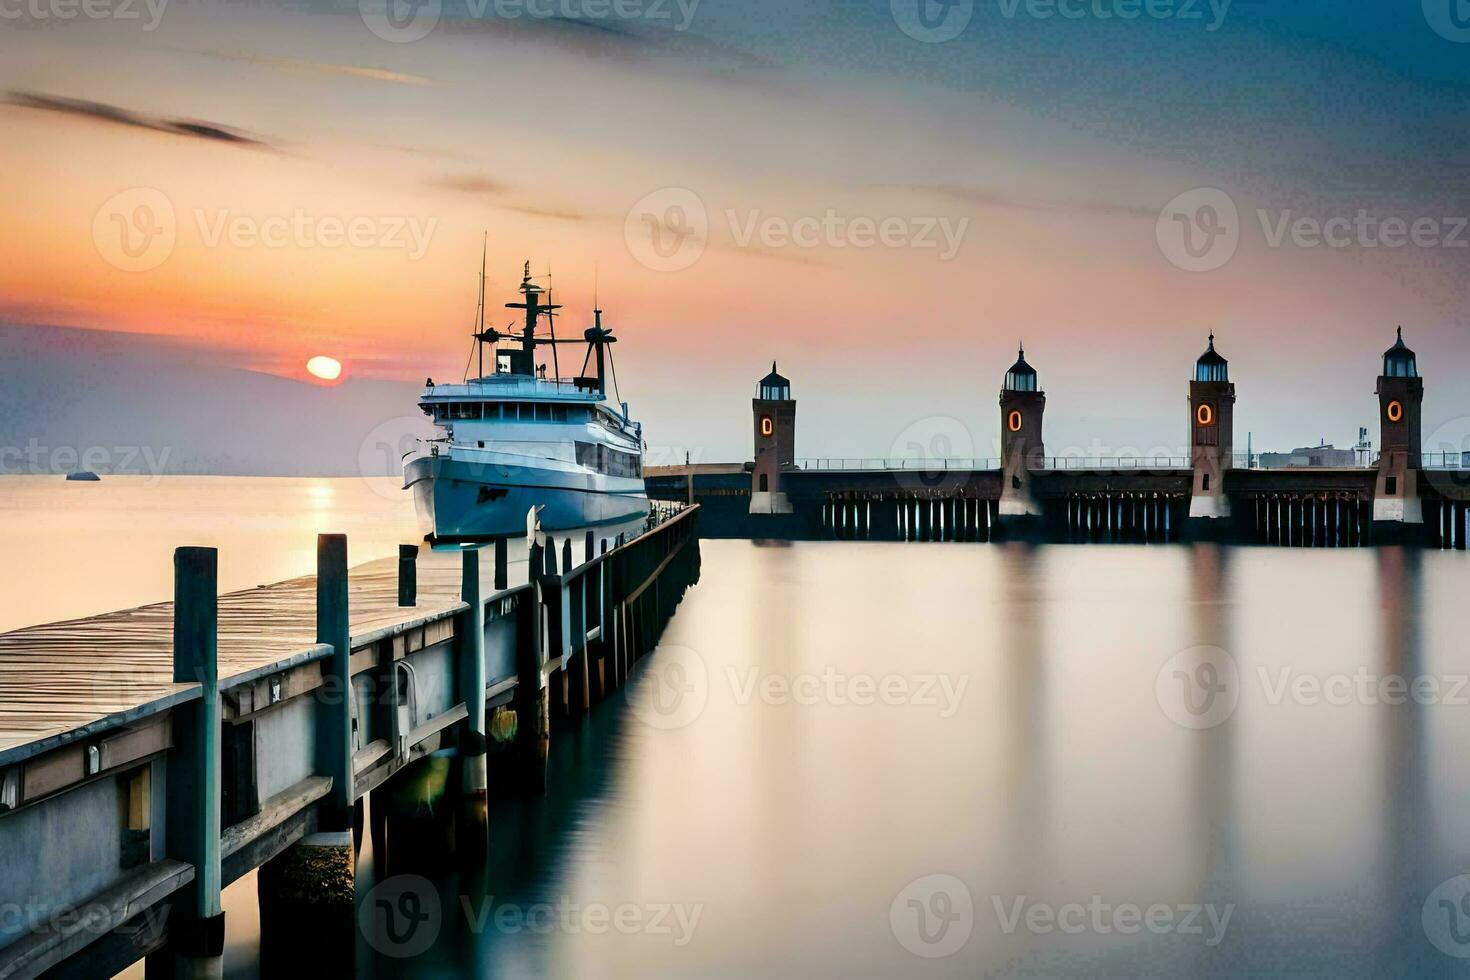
x: 464, y: 410
x: 605, y: 459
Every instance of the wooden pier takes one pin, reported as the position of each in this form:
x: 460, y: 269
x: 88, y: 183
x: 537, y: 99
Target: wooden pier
x: 150, y: 757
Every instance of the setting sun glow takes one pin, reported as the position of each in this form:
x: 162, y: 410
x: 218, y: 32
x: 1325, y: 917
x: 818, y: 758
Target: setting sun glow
x: 326, y: 368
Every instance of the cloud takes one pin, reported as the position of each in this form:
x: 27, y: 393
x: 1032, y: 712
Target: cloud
x: 468, y: 184
x: 991, y: 198
x: 477, y: 185
x: 298, y: 67
x: 546, y: 212
x: 102, y: 112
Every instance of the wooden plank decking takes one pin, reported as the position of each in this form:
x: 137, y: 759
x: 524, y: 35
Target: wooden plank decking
x: 62, y: 677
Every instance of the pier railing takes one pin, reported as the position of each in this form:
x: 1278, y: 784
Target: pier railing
x: 895, y: 463
x: 1120, y: 463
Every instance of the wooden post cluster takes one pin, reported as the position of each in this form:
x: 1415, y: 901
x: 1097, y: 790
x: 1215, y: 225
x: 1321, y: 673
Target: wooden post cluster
x: 595, y: 620
x: 1311, y: 520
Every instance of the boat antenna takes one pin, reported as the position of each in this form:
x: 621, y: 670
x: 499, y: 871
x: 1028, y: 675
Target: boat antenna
x: 480, y: 313
x: 551, y: 322
x: 614, y: 365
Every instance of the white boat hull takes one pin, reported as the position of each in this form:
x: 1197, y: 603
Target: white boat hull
x: 472, y: 498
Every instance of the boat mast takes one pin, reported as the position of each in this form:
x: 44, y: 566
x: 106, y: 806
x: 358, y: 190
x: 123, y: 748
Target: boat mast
x: 534, y: 308
x: 480, y: 313
x: 551, y: 322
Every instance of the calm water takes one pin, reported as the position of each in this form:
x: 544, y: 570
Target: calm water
x: 94, y: 547
x: 855, y: 759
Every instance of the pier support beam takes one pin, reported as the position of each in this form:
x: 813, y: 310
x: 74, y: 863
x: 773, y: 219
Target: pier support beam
x: 532, y: 699
x: 408, y: 574
x: 197, y: 936
x: 420, y: 811
x: 334, y: 697
x: 473, y: 834
x: 306, y: 892
x: 307, y: 920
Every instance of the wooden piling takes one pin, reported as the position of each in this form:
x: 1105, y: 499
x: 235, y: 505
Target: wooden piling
x: 533, y: 721
x: 334, y: 697
x: 408, y: 574
x: 307, y: 920
x: 197, y: 937
x: 472, y: 839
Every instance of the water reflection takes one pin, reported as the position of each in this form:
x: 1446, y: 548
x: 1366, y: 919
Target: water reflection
x: 1405, y: 854
x: 1297, y: 833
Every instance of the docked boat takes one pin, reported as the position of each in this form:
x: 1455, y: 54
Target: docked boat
x: 515, y: 438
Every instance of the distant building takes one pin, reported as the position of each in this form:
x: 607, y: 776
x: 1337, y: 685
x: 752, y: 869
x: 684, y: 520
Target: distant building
x: 1323, y: 455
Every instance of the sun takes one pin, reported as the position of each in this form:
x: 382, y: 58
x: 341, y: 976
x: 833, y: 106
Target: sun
x: 326, y: 368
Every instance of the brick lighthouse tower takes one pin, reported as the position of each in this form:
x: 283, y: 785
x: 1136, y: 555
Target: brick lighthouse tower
x: 1022, y: 406
x: 774, y: 414
x: 1212, y: 434
x: 1400, y: 404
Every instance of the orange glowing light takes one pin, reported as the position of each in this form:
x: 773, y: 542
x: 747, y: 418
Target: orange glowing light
x: 767, y: 426
x: 1013, y: 422
x: 326, y: 368
x: 1395, y: 411
x: 1205, y: 414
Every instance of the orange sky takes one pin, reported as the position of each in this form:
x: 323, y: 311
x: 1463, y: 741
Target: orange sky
x: 545, y: 139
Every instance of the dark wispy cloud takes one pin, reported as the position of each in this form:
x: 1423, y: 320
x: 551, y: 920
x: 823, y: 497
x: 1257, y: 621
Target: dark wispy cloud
x: 979, y: 197
x: 296, y: 66
x: 102, y: 112
x: 478, y: 185
x: 628, y: 42
x: 538, y: 211
x: 469, y: 184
